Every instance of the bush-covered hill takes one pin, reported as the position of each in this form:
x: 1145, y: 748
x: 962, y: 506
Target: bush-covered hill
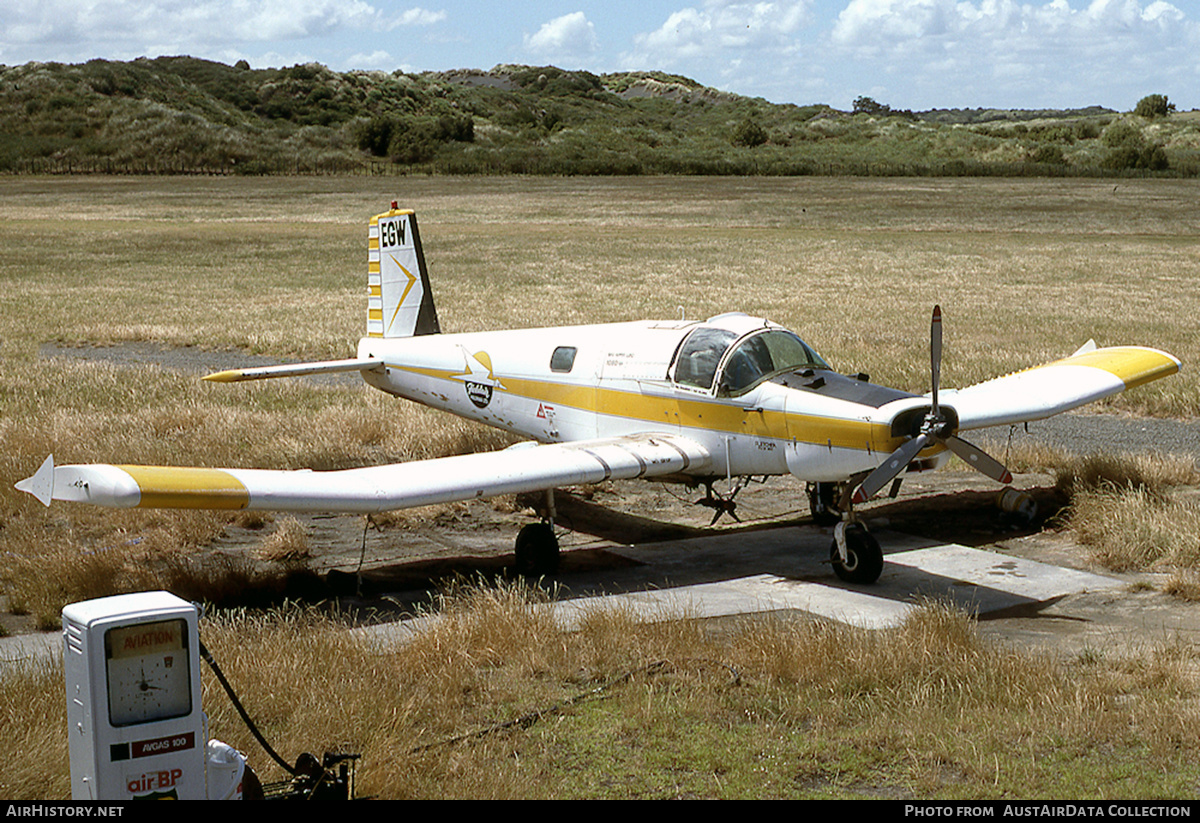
x: 185, y: 115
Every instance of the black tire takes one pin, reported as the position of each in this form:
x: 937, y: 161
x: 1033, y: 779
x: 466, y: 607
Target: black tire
x: 822, y: 503
x: 537, y: 550
x: 864, y: 558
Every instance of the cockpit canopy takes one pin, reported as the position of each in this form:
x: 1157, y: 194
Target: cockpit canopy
x: 742, y: 361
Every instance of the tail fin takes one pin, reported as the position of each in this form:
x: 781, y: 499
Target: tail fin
x: 400, y: 303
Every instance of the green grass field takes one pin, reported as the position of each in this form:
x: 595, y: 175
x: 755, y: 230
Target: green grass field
x: 1025, y: 271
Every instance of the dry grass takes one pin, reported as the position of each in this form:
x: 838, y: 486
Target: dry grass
x: 1185, y: 585
x: 625, y: 709
x: 1133, y: 529
x: 1154, y: 475
x: 1126, y: 509
x: 287, y: 544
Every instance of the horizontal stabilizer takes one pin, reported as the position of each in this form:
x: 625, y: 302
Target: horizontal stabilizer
x: 296, y: 370
x: 375, y: 488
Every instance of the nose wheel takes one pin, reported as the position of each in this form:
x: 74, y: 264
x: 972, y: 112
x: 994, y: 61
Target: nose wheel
x: 855, y: 554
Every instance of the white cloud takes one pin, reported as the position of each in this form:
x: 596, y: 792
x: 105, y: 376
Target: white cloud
x: 421, y: 17
x: 752, y: 47
x: 898, y: 25
x: 721, y: 27
x: 132, y: 24
x: 980, y: 52
x: 570, y: 39
x: 378, y: 60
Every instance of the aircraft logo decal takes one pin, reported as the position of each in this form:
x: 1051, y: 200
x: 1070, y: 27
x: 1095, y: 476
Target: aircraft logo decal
x: 478, y: 379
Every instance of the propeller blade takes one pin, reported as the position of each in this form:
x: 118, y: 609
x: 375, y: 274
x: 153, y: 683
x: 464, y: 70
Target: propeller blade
x: 978, y: 459
x: 932, y: 431
x: 935, y: 355
x: 890, y: 468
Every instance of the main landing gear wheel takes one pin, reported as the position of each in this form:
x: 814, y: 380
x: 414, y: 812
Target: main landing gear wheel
x: 864, y: 558
x: 537, y: 550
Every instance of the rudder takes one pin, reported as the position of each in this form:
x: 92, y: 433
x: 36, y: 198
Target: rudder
x: 399, y: 301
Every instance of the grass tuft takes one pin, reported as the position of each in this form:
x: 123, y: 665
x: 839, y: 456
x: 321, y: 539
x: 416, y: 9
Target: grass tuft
x: 287, y: 544
x: 1153, y: 475
x: 1136, y: 529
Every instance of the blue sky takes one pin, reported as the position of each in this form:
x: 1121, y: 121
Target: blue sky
x: 916, y: 54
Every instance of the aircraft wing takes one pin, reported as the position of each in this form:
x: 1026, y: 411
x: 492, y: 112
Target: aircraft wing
x: 521, y: 468
x: 1086, y: 376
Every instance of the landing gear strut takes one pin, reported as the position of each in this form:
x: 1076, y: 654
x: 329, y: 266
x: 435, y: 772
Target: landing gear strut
x: 722, y: 504
x: 823, y: 503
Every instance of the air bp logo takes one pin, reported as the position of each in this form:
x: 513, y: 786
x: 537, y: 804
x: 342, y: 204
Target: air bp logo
x: 480, y: 393
x: 479, y: 382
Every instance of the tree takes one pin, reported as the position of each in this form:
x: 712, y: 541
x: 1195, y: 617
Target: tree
x: 1154, y: 105
x: 867, y: 105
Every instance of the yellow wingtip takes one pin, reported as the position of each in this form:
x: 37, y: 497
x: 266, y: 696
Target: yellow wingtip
x: 227, y: 376
x: 1133, y: 365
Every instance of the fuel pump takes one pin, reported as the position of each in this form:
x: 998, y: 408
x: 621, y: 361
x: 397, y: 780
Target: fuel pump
x: 132, y: 669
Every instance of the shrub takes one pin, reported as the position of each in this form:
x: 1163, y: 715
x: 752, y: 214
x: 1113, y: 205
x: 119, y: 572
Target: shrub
x: 410, y: 139
x: 1130, y: 150
x: 749, y: 134
x: 1048, y: 153
x: 1122, y: 135
x: 867, y: 105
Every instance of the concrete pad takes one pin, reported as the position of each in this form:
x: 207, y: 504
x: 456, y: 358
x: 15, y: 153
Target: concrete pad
x: 979, y: 582
x: 29, y: 650
x: 792, y: 573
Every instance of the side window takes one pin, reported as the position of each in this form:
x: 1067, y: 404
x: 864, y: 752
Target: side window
x: 563, y: 359
x: 696, y: 363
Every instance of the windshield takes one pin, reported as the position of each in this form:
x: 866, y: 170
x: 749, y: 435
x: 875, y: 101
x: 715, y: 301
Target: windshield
x: 763, y: 355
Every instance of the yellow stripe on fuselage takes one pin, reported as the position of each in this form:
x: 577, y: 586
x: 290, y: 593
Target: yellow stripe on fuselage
x: 694, y: 413
x: 187, y: 488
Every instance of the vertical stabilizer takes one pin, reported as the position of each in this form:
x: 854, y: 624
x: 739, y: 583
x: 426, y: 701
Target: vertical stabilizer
x: 399, y: 303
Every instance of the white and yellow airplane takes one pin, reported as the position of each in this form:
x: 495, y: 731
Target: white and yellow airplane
x: 726, y: 398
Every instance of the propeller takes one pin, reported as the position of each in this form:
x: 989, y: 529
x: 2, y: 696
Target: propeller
x: 935, y: 428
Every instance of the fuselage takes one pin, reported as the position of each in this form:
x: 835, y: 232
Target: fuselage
x: 756, y: 397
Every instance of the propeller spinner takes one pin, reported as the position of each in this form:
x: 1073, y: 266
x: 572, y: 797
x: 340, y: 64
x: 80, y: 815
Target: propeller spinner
x: 934, y: 429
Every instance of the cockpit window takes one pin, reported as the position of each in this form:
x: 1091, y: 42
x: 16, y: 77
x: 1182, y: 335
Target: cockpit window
x: 700, y: 355
x: 763, y: 355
